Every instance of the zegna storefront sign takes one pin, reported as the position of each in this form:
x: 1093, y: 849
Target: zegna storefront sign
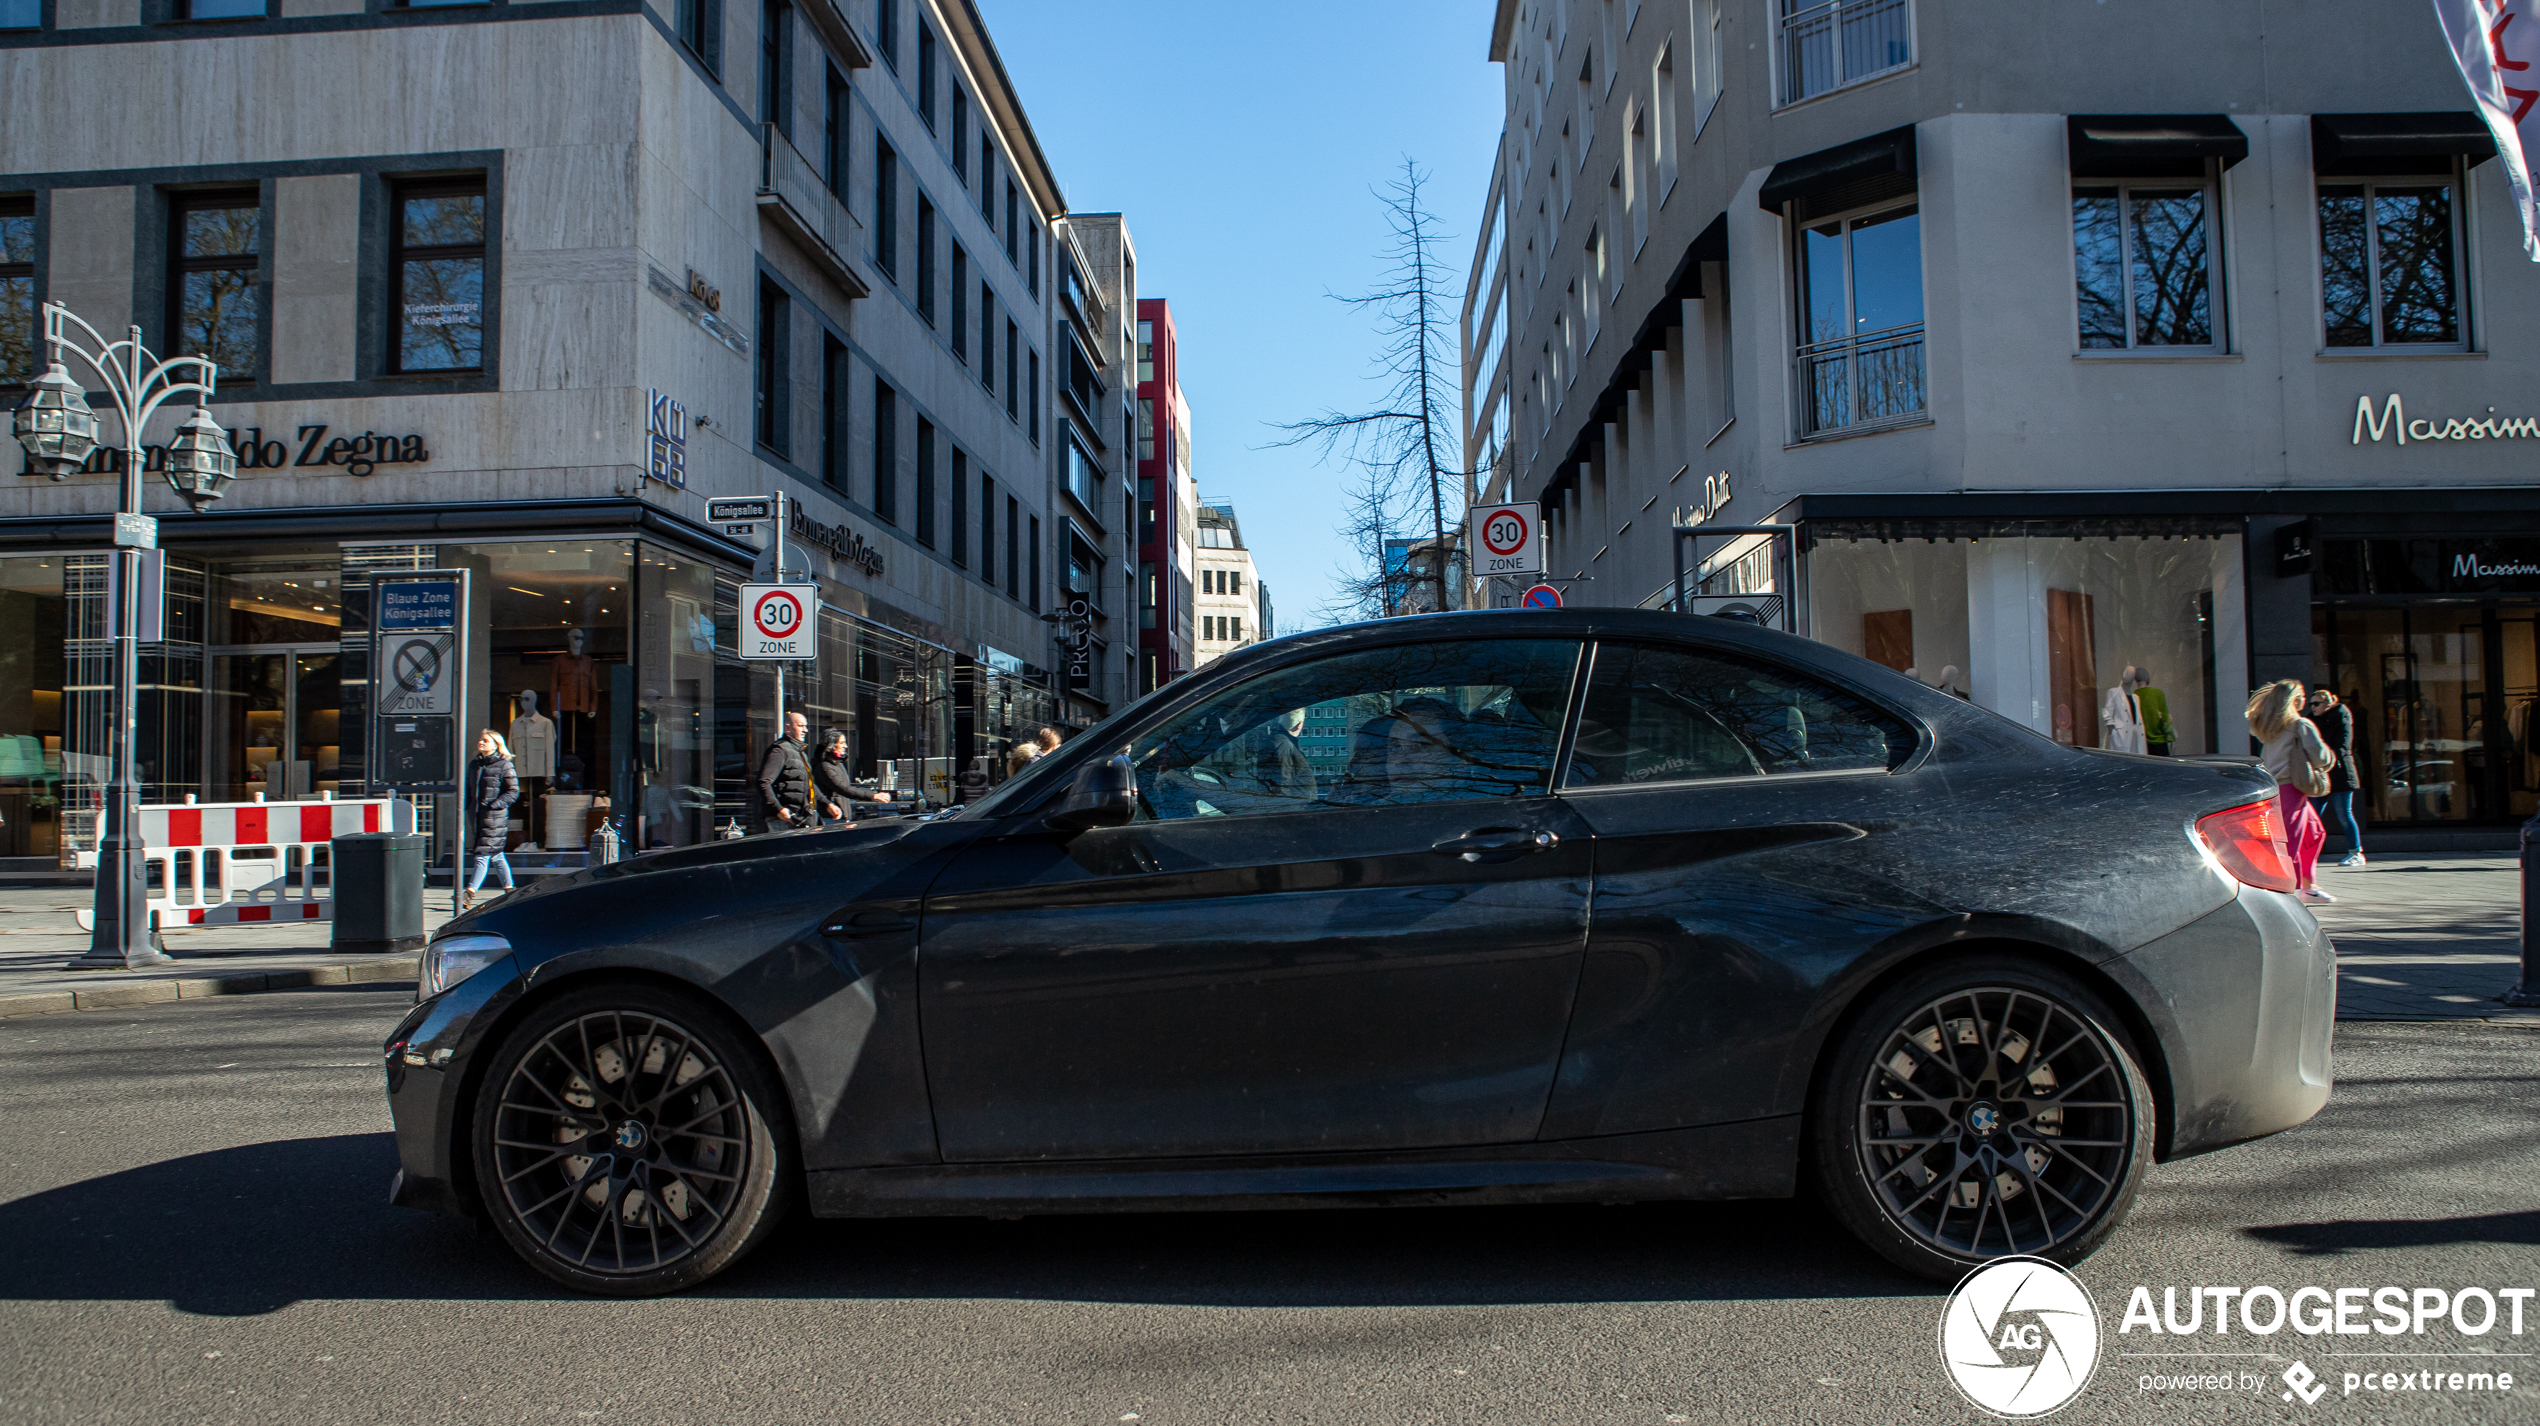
x: 2393, y: 422
x: 309, y: 446
x: 846, y: 544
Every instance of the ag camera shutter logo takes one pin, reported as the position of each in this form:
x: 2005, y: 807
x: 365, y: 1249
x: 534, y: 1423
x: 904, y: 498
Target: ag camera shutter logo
x: 2019, y: 1338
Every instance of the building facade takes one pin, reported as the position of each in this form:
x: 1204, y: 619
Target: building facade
x: 1168, y: 505
x: 517, y: 289
x: 1229, y: 603
x: 1096, y: 337
x: 2091, y: 353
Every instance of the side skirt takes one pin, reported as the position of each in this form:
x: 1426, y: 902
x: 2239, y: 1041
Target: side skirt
x: 1754, y: 1159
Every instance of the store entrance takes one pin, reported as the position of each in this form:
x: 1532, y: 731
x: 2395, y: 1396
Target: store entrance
x: 2443, y: 695
x: 272, y: 722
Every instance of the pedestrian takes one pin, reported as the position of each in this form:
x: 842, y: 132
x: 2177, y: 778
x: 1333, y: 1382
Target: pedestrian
x: 784, y: 778
x: 833, y: 780
x: 493, y: 786
x: 1283, y: 767
x: 1046, y: 740
x: 1021, y: 756
x: 2336, y: 724
x: 2299, y: 762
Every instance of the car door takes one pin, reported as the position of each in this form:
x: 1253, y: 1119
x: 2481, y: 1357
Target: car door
x: 1742, y: 812
x: 1302, y: 943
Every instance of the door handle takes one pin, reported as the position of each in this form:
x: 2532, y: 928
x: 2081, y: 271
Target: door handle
x: 1498, y: 844
x: 867, y: 925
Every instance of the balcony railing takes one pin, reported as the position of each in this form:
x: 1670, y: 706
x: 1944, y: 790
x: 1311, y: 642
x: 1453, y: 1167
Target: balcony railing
x: 792, y: 195
x: 1876, y: 380
x: 1827, y: 44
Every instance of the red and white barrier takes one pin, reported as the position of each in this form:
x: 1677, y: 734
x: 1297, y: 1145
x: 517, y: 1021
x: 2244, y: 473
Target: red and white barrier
x: 232, y: 863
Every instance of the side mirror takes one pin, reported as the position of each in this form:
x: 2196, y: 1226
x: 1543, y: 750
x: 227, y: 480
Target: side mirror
x: 1103, y: 794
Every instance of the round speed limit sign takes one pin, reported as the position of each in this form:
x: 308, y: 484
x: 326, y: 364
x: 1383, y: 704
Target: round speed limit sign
x: 1507, y: 539
x: 776, y: 620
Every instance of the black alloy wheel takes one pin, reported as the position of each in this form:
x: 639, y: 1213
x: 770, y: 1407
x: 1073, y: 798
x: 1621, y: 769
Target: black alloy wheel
x: 1979, y: 1109
x: 627, y: 1141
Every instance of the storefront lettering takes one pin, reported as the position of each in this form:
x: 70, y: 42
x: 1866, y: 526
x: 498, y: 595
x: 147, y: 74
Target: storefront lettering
x: 666, y: 435
x: 2393, y: 421
x: 2469, y: 567
x: 1715, y: 497
x: 358, y: 455
x: 838, y: 540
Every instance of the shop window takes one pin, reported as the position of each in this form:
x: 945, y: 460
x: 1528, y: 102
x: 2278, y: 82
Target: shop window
x: 1861, y: 321
x: 438, y: 264
x: 1827, y: 44
x: 2390, y: 263
x: 2145, y: 264
x: 215, y: 299
x: 17, y: 291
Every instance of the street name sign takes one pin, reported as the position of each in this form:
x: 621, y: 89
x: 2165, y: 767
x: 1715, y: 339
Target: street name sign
x: 777, y: 622
x: 1506, y: 539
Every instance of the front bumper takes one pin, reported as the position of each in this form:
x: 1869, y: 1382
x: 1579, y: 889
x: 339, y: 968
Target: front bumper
x: 2243, y: 1001
x: 428, y: 1055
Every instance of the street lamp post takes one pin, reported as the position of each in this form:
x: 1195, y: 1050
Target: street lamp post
x: 58, y: 430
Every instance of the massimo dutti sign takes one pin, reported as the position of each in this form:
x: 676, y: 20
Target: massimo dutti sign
x: 310, y: 446
x: 846, y: 544
x: 2393, y: 422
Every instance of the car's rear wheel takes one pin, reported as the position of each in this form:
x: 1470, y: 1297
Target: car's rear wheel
x: 626, y: 1141
x: 1981, y: 1108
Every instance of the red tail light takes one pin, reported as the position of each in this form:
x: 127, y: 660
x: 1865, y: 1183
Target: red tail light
x: 2249, y: 842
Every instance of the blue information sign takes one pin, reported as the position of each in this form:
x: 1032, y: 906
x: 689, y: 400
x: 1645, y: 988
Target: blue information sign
x: 418, y: 604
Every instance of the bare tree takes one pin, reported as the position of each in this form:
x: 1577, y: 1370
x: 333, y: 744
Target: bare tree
x: 1403, y: 481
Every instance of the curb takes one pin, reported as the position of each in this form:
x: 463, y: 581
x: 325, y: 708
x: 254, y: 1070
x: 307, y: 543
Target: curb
x: 160, y: 989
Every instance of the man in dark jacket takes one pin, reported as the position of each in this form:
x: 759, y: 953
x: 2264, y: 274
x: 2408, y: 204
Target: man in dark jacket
x: 784, y: 778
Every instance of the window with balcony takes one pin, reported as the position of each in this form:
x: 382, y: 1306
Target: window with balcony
x: 1827, y: 44
x: 437, y: 264
x: 1860, y: 357
x: 775, y: 66
x: 214, y: 297
x: 2144, y: 263
x: 2390, y: 262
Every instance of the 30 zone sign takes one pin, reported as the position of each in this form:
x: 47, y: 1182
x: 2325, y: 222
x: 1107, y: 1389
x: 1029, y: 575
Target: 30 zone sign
x: 1507, y: 539
x: 776, y: 620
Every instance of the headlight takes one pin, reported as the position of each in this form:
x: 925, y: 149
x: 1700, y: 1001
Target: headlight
x: 452, y: 959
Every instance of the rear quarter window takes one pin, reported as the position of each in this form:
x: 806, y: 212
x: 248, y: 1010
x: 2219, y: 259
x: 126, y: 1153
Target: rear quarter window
x: 1659, y: 714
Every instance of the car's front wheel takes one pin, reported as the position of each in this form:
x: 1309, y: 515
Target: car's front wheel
x: 1980, y: 1108
x: 626, y: 1141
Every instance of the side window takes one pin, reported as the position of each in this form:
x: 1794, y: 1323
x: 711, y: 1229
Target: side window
x: 1445, y: 722
x: 1657, y: 714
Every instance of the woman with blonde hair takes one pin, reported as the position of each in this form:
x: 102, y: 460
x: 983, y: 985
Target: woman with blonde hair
x: 493, y: 786
x: 2299, y: 762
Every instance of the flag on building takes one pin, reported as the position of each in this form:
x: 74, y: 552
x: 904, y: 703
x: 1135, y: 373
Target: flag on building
x: 2495, y: 43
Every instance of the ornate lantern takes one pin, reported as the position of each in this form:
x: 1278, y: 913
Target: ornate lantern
x: 55, y: 424
x: 200, y: 461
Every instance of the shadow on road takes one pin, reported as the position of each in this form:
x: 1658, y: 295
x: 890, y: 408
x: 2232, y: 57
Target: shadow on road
x: 254, y: 1229
x: 2330, y: 1239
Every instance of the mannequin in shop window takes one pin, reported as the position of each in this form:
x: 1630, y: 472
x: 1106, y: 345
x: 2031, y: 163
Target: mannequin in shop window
x: 573, y: 689
x: 2158, y: 731
x: 2121, y: 716
x: 533, y: 742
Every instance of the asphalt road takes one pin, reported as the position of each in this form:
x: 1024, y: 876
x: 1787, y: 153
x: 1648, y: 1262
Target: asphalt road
x: 193, y: 1227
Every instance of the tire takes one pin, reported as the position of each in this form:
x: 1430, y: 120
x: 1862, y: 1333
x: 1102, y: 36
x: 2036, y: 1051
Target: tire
x: 1946, y: 1130
x: 628, y: 1141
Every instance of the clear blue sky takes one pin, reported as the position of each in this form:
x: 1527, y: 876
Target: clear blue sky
x: 1241, y: 142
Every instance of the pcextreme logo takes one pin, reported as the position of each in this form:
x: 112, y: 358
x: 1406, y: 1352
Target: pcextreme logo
x: 2019, y: 1338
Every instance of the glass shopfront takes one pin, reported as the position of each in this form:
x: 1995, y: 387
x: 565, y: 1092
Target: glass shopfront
x: 2434, y: 647
x: 610, y: 665
x: 2045, y: 627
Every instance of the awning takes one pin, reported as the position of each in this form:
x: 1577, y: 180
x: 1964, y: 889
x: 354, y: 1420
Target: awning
x: 2151, y: 145
x: 2355, y: 142
x: 1879, y: 156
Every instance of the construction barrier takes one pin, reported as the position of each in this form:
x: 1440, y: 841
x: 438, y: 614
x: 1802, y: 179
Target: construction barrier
x: 231, y: 863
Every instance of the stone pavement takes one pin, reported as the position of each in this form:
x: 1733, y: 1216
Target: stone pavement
x: 38, y: 933
x: 2426, y: 937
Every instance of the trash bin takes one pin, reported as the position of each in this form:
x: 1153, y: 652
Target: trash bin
x: 378, y: 879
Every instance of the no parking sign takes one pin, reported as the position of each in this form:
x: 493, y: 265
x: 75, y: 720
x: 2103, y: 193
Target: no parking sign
x: 776, y: 620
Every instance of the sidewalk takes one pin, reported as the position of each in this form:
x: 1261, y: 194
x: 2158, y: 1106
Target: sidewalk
x: 2426, y: 937
x: 38, y: 933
